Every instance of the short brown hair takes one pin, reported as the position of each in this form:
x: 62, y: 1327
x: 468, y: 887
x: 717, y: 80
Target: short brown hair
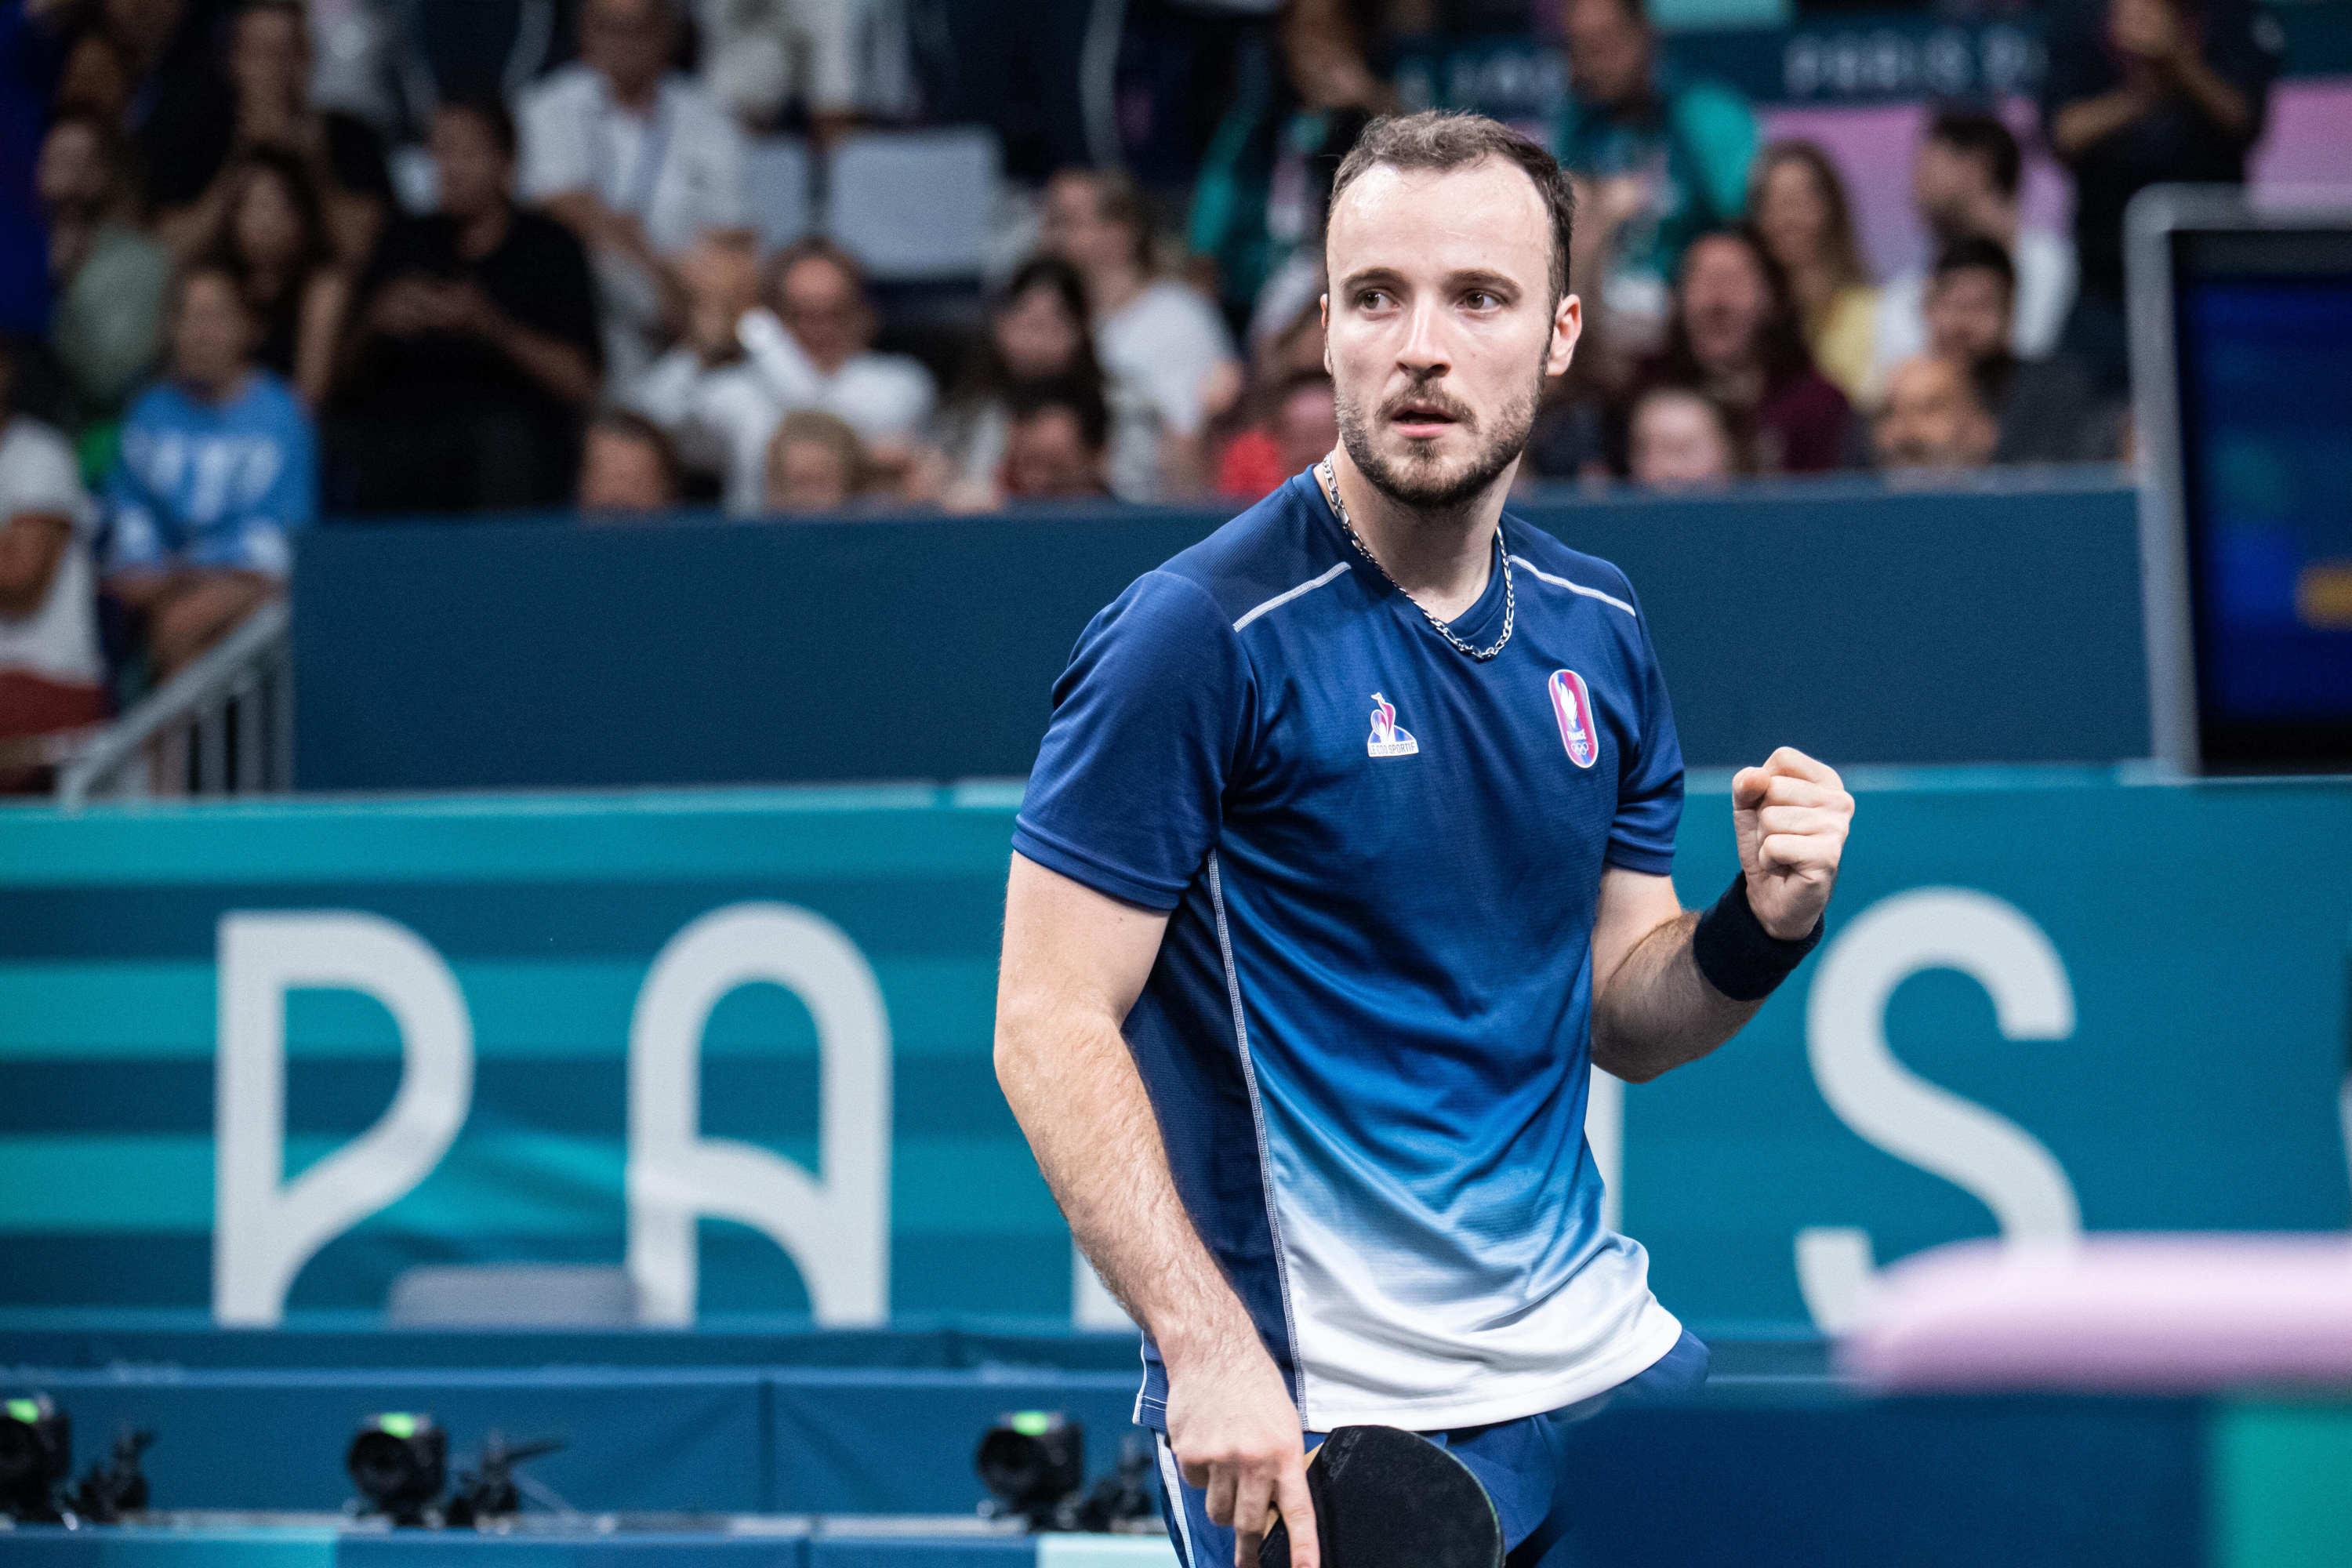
x: 1450, y: 139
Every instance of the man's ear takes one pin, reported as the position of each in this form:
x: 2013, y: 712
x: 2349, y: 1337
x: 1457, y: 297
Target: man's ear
x: 1567, y: 326
x: 1323, y: 315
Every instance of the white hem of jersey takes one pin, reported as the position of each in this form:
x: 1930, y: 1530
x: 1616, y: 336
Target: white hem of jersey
x: 1173, y: 1480
x: 1657, y: 1334
x: 1257, y: 1117
x: 1536, y: 570
x: 1289, y: 593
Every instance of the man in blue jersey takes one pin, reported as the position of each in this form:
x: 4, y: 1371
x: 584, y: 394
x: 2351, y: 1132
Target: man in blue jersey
x: 1344, y: 861
x: 218, y: 472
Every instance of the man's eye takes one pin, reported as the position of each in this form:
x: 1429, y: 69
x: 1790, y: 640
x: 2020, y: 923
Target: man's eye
x: 1371, y: 299
x: 1481, y: 299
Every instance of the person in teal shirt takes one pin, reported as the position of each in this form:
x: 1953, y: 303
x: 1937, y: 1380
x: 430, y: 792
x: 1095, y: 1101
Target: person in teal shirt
x: 1662, y: 160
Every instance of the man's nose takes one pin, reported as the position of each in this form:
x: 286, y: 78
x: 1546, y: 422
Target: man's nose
x: 1424, y: 351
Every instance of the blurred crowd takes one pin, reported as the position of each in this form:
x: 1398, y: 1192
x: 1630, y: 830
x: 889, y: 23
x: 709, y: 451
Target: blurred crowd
x: 435, y: 258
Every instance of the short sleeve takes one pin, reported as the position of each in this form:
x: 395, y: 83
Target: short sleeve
x: 1649, y: 778
x: 555, y: 151
x: 1149, y: 722
x: 134, y: 524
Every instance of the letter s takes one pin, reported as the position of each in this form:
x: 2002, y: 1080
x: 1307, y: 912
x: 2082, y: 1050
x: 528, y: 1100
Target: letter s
x: 1996, y: 945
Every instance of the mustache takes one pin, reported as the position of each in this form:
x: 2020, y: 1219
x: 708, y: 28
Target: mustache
x: 1435, y: 401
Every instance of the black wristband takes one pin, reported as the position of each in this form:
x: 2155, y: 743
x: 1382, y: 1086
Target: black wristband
x: 1737, y: 955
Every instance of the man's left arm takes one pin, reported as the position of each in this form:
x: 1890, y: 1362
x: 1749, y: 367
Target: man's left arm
x: 1671, y: 984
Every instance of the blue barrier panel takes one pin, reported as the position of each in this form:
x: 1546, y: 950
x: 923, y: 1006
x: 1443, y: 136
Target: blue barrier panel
x: 1992, y: 626
x: 2136, y: 991
x: 678, y: 1438
x: 859, y: 1442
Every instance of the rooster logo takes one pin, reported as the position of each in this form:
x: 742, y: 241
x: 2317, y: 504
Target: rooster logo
x: 1386, y: 740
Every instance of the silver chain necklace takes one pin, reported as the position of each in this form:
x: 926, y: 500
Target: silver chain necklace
x: 1330, y: 483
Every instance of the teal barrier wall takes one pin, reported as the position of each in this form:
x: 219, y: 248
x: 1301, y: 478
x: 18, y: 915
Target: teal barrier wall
x: 260, y: 1059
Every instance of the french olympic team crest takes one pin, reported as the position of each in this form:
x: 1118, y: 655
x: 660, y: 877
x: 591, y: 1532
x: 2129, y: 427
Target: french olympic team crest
x: 1571, y: 704
x: 1386, y: 739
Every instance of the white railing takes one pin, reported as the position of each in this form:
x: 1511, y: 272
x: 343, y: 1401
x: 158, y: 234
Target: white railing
x: 224, y: 725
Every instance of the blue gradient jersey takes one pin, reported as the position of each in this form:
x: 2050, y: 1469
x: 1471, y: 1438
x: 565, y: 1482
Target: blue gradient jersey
x: 1367, y: 1035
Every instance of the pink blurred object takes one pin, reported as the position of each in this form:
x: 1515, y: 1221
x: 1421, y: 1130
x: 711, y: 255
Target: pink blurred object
x: 2134, y: 1313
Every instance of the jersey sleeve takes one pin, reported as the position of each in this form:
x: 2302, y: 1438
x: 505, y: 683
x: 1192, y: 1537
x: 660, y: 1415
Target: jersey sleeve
x: 1649, y: 778
x: 1149, y: 722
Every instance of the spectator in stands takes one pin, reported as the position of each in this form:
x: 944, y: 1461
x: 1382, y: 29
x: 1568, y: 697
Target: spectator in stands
x: 1662, y: 160
x: 1965, y: 180
x: 838, y: 60
x: 1734, y: 334
x: 626, y: 467
x: 1037, y: 331
x: 2138, y: 92
x: 814, y: 348
x: 637, y: 161
x: 195, y: 138
x: 1169, y: 358
x: 1301, y: 425
x: 1681, y: 439
x: 705, y: 394
x: 51, y: 675
x: 216, y: 475
x: 107, y: 274
x: 1058, y: 443
x: 1802, y: 213
x: 473, y: 353
x: 815, y: 464
x: 2047, y: 409
x: 1934, y: 420
x: 273, y: 238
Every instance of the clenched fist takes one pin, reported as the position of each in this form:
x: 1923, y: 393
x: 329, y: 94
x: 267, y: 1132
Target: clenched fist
x: 1791, y: 817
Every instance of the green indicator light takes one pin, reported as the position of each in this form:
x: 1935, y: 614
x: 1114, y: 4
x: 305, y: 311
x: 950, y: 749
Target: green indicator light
x: 1031, y: 1423
x: 26, y: 1410
x: 398, y: 1425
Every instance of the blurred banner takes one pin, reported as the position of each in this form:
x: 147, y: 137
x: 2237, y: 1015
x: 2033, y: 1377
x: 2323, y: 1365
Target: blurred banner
x: 266, y: 1059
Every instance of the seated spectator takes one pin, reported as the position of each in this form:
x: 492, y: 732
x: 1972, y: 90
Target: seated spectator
x: 273, y: 239
x: 107, y: 274
x: 2141, y: 92
x: 1662, y: 159
x: 51, y: 675
x: 626, y: 468
x: 1056, y: 448
x: 704, y: 394
x: 472, y: 354
x: 1802, y: 213
x: 217, y: 473
x: 837, y: 61
x: 1301, y: 425
x: 1965, y: 180
x: 1681, y: 439
x: 815, y: 464
x: 1734, y: 335
x: 2047, y: 409
x: 1169, y: 361
x: 1934, y: 420
x: 637, y: 161
x: 816, y: 350
x: 1036, y: 331
x: 261, y: 99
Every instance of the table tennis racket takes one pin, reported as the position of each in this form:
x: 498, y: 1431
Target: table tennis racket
x: 1390, y: 1498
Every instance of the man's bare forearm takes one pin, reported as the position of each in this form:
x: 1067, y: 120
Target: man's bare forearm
x: 1656, y: 1011
x: 1073, y: 1085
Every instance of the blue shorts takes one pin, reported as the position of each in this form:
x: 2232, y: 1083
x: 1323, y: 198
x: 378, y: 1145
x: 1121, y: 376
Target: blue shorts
x: 1520, y: 1462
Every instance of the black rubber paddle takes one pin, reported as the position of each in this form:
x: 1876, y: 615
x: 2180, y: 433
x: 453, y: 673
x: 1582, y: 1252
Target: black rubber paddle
x: 1389, y: 1499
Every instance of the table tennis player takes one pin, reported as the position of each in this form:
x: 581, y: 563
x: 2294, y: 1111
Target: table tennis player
x: 1345, y: 860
